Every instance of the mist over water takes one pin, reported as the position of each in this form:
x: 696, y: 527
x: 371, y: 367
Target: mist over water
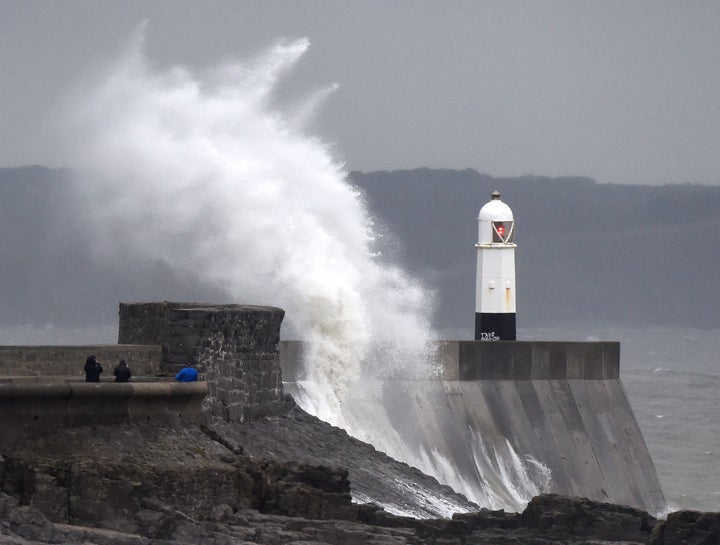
x: 205, y: 173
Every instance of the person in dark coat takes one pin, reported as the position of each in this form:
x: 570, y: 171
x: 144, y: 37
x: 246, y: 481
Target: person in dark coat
x: 122, y: 372
x: 92, y: 369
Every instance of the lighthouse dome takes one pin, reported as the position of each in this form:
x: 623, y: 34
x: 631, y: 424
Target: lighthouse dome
x: 495, y: 210
x: 495, y: 222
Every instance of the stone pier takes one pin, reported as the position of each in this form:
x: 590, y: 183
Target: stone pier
x: 551, y: 413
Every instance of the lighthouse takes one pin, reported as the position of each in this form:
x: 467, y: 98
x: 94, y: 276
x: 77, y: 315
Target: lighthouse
x: 495, y: 282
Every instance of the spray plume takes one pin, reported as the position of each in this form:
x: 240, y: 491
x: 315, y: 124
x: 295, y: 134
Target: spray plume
x: 201, y: 172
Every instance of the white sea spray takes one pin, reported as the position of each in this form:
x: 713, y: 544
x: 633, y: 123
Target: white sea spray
x: 208, y: 174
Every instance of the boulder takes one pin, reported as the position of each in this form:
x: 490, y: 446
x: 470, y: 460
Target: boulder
x: 688, y: 528
x: 562, y: 516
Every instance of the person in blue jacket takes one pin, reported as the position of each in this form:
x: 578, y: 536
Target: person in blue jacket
x: 187, y: 374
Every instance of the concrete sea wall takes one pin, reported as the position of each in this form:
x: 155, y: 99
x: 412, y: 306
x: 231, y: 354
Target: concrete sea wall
x: 529, y: 360
x: 549, y: 415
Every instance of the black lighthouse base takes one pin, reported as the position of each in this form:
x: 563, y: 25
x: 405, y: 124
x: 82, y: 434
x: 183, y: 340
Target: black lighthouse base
x: 494, y: 326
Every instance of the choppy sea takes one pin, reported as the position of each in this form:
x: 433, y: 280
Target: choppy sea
x: 672, y: 379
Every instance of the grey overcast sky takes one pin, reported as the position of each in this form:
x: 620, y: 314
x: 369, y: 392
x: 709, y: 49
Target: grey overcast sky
x: 620, y: 90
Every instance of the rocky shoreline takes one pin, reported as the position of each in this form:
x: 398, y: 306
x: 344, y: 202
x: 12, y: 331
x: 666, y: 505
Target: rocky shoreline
x: 260, y: 482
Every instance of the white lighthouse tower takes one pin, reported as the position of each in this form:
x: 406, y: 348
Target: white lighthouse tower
x: 495, y: 283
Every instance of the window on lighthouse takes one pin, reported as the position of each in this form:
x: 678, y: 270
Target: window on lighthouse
x: 503, y: 231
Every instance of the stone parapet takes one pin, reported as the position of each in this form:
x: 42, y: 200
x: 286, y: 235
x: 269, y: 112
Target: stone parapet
x: 68, y: 361
x: 31, y: 408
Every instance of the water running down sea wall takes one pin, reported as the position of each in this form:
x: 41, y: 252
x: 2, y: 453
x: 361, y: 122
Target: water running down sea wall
x: 506, y: 421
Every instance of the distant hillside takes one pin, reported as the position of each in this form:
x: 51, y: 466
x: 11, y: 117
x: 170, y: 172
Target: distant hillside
x: 587, y: 252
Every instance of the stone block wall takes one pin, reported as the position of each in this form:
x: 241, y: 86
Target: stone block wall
x: 161, y: 323
x: 233, y: 347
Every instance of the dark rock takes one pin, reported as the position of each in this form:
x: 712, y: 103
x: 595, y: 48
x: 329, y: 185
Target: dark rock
x: 221, y: 513
x: 688, y: 528
x: 294, y: 489
x: 486, y: 518
x: 298, y: 436
x: 26, y: 521
x: 583, y: 517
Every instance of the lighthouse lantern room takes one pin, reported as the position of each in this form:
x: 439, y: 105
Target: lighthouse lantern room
x: 495, y: 283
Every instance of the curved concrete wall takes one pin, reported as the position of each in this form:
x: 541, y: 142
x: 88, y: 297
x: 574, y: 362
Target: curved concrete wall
x: 34, y: 408
x: 571, y: 437
x: 550, y: 415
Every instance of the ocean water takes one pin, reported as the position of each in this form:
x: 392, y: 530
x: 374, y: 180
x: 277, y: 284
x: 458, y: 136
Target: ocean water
x: 672, y: 379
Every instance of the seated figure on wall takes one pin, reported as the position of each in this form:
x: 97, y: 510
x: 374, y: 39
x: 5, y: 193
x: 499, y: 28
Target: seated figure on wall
x: 122, y: 372
x: 93, y: 369
x: 187, y: 374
